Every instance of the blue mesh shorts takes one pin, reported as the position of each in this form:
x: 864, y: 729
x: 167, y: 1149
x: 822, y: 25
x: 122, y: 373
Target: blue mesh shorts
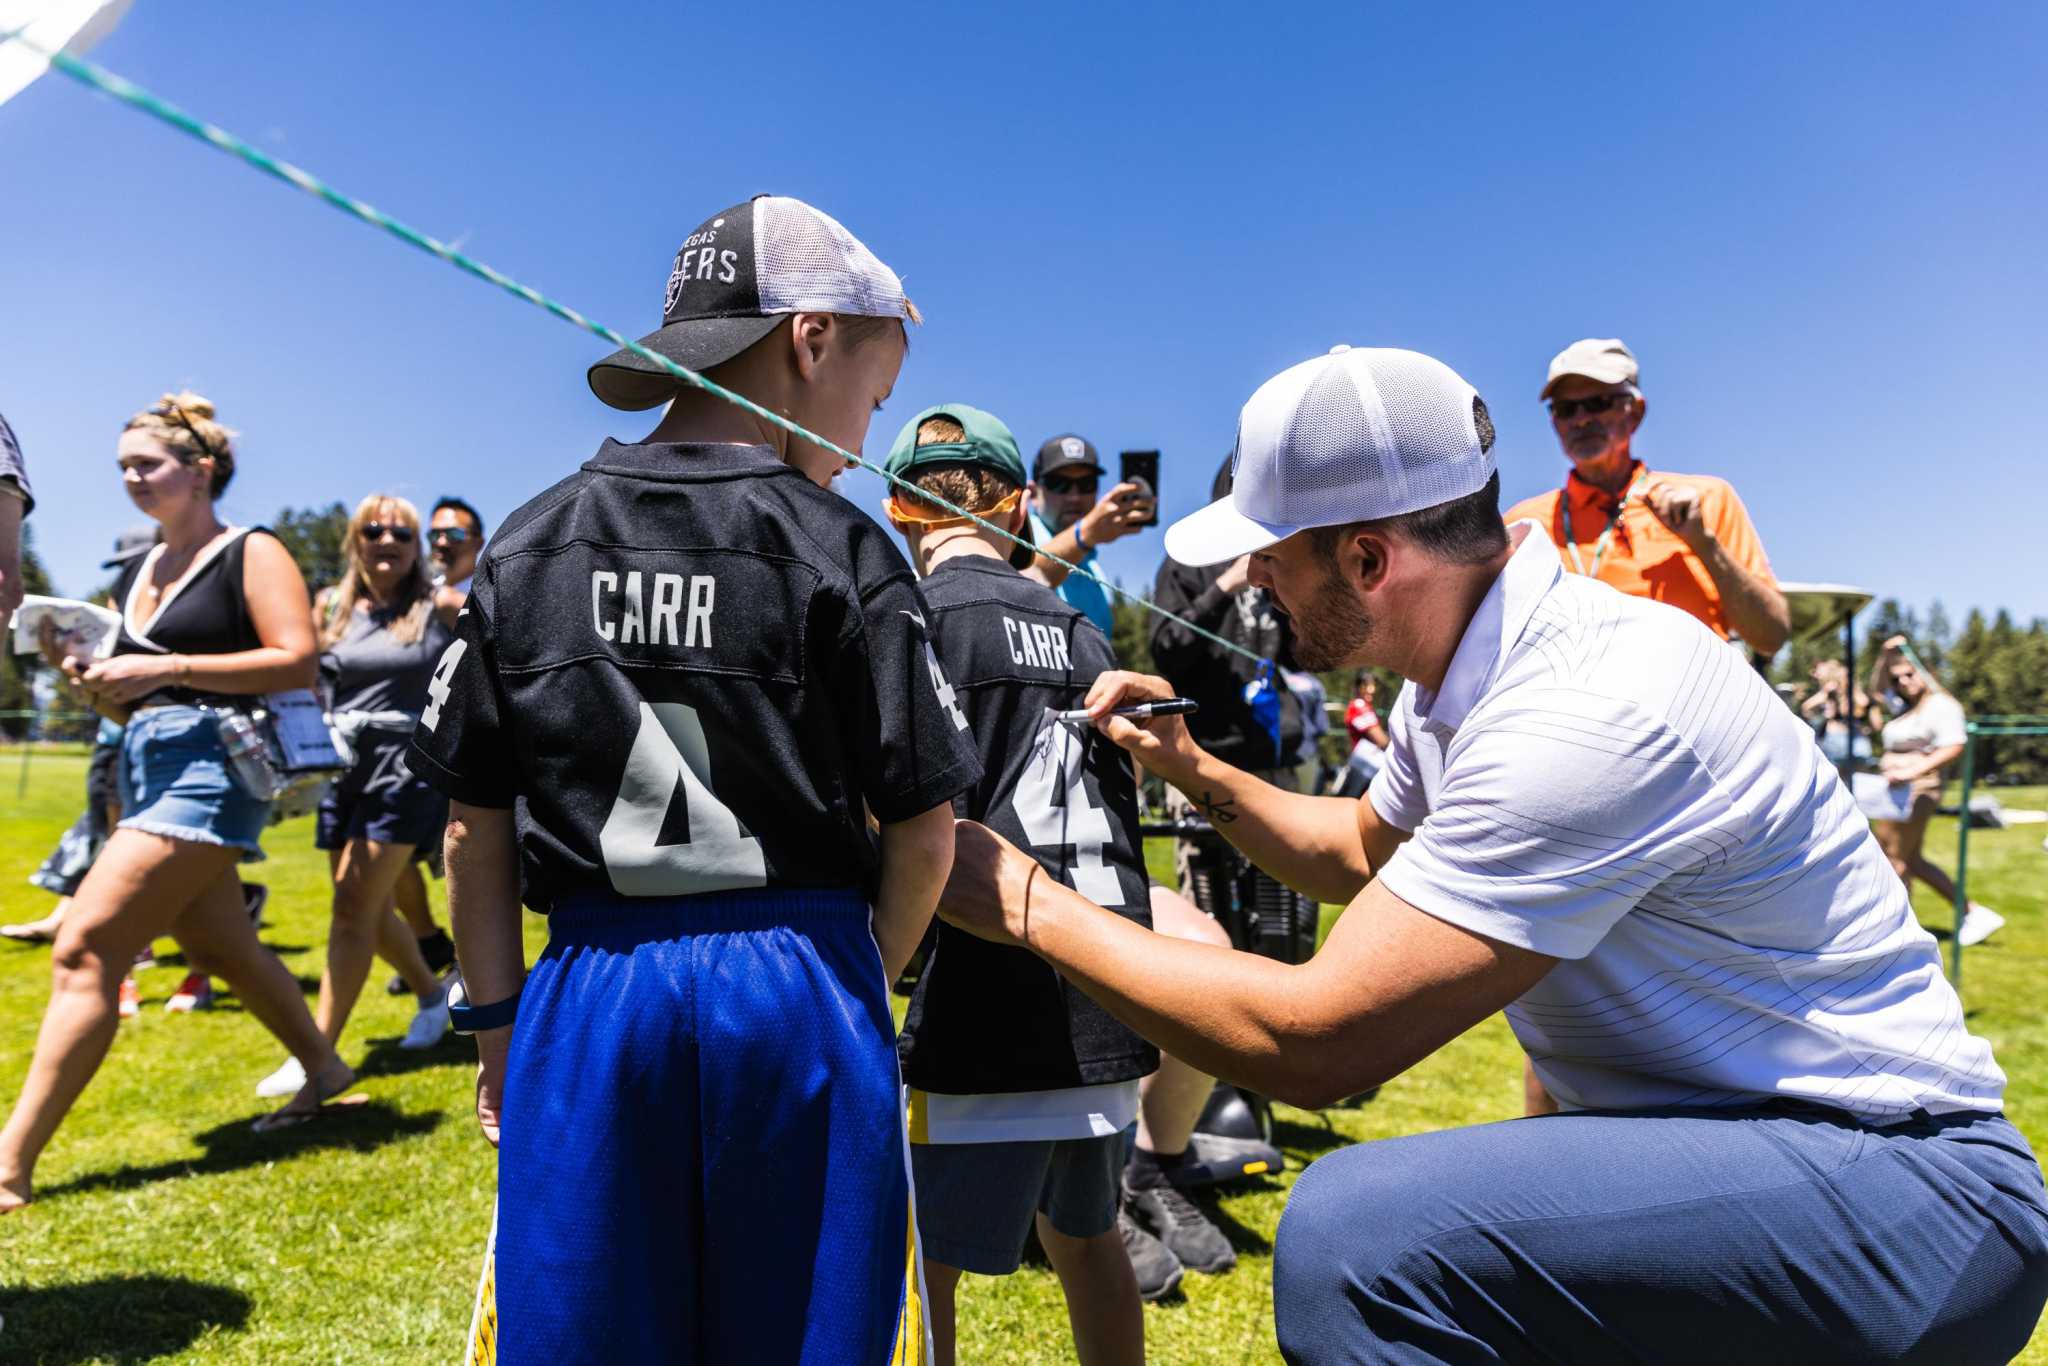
x: 702, y: 1152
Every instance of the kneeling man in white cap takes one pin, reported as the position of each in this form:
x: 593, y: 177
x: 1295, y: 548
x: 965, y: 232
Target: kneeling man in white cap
x: 1779, y: 1140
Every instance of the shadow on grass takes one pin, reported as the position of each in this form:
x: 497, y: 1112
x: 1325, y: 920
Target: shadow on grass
x: 234, y: 1145
x: 117, y: 1318
x: 1291, y: 1136
x: 386, y: 1059
x: 1239, y: 1237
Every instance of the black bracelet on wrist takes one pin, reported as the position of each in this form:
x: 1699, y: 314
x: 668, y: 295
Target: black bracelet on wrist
x: 465, y: 1018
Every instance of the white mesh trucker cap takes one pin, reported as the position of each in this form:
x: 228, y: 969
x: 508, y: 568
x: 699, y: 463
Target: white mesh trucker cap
x: 737, y: 276
x: 1352, y: 436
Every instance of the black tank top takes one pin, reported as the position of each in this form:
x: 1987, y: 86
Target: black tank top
x: 205, y: 614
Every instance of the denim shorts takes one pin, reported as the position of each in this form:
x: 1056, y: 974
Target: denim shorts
x: 175, y: 782
x: 381, y: 799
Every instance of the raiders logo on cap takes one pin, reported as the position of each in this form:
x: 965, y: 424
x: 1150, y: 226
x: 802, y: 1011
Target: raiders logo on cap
x: 734, y: 279
x: 1064, y: 452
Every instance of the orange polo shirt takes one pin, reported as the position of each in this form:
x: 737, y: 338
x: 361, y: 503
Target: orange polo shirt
x: 1645, y: 558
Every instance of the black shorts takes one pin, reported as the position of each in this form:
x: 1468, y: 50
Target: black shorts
x: 380, y: 799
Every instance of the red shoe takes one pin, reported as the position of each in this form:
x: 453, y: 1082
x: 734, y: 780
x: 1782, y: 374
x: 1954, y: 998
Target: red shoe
x: 194, y: 993
x: 131, y: 999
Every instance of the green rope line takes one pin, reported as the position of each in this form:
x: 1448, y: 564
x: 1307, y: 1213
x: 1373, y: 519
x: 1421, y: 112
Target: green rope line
x: 99, y: 78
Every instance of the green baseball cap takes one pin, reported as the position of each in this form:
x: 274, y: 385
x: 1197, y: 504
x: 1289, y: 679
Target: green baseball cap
x: 989, y: 444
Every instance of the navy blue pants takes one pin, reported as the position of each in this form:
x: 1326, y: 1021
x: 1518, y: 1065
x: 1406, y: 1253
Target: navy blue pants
x: 703, y: 1155
x: 1788, y: 1234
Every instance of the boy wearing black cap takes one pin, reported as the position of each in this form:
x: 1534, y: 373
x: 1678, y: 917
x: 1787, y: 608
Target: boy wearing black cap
x: 694, y: 673
x: 1022, y: 1090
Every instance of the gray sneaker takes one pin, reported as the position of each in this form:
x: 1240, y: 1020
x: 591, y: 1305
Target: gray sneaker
x: 1157, y: 1268
x: 1176, y: 1221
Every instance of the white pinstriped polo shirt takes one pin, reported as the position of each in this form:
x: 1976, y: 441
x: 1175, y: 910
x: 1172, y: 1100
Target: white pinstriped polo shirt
x: 1603, y: 780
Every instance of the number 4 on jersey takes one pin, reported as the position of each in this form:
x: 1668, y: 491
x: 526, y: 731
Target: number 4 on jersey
x: 437, y: 686
x: 706, y: 851
x: 1051, y: 801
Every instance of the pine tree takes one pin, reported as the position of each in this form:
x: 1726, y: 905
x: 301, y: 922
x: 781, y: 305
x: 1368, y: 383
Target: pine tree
x: 318, y: 541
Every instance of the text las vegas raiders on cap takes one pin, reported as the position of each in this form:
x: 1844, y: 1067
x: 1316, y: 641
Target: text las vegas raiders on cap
x: 737, y: 276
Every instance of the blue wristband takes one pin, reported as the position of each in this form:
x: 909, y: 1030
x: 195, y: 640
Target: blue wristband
x: 468, y: 1019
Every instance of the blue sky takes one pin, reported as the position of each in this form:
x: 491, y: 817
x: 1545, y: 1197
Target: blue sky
x: 1820, y: 228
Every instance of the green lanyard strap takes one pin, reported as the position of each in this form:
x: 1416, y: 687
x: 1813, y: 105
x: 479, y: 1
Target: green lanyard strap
x: 1564, y: 524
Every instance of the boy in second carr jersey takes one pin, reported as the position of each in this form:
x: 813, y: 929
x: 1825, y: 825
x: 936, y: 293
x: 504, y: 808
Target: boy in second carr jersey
x: 684, y: 678
x: 1022, y: 1089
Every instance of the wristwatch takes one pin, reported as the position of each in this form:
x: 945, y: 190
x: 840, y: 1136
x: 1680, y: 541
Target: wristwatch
x: 465, y: 1018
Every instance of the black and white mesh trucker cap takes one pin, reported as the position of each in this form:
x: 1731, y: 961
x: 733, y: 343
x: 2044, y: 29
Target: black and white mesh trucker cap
x: 738, y: 275
x: 1352, y: 436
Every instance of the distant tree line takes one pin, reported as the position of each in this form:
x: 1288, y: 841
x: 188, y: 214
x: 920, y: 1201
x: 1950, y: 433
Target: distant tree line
x: 1994, y: 666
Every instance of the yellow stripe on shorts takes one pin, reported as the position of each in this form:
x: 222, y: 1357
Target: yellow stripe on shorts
x: 483, y: 1321
x: 912, y: 1332
x: 917, y: 1116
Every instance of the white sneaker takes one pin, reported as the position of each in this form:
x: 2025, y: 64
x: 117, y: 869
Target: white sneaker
x: 429, y: 1023
x: 287, y: 1080
x: 1979, y: 924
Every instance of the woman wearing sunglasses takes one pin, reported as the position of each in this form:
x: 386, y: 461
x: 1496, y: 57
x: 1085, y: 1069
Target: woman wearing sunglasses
x: 380, y: 637
x: 211, y: 618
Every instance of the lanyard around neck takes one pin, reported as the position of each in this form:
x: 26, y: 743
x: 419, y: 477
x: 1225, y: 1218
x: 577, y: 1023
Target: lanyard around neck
x: 1564, y: 524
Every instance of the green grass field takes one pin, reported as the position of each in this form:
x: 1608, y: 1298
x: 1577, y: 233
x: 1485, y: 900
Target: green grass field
x: 165, y: 1230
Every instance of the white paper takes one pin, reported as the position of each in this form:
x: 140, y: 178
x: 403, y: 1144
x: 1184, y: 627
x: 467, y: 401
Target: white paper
x: 84, y: 629
x: 1880, y: 800
x: 302, y: 731
x: 71, y: 26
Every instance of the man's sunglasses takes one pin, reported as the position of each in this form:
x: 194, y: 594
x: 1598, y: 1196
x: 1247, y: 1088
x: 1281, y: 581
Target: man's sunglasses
x: 1087, y: 484
x: 377, y: 531
x: 1565, y: 409
x: 448, y: 535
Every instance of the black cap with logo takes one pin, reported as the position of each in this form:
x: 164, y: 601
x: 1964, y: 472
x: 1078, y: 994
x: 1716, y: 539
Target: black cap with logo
x: 1062, y: 452
x: 734, y: 279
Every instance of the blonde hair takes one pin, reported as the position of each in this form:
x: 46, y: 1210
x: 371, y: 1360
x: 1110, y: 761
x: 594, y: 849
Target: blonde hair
x: 184, y: 423
x: 415, y: 597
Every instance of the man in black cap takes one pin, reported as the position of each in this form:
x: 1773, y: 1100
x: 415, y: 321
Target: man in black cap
x: 1070, y: 521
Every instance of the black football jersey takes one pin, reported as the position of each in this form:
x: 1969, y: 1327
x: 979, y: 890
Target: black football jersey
x: 689, y: 669
x: 987, y: 1019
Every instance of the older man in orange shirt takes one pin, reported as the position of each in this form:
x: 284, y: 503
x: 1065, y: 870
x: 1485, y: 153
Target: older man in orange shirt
x: 1684, y: 539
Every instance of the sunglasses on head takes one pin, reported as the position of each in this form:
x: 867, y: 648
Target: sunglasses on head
x: 175, y: 411
x: 377, y: 531
x: 1086, y: 483
x: 1564, y: 409
x: 448, y: 535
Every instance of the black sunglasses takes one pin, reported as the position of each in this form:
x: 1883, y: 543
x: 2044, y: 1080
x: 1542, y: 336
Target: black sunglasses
x: 377, y: 531
x: 452, y: 535
x: 1087, y: 483
x: 1564, y: 409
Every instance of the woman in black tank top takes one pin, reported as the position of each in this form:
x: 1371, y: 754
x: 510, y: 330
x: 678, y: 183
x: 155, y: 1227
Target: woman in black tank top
x: 380, y: 637
x: 214, y: 613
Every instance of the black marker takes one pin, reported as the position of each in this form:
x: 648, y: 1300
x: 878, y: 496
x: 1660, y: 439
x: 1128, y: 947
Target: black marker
x: 1144, y: 711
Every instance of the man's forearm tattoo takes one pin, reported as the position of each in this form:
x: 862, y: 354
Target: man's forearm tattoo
x: 1217, y: 811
